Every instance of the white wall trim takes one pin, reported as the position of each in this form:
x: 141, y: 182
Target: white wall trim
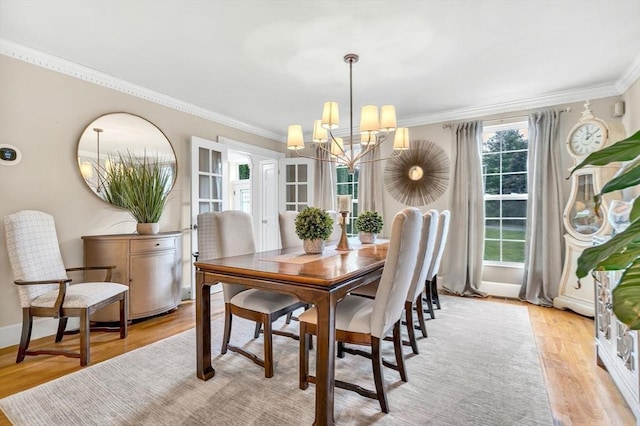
x: 42, y: 327
x: 252, y: 149
x: 497, y: 289
x: 63, y: 66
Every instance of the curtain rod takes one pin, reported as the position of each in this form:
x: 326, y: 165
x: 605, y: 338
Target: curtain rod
x: 450, y: 125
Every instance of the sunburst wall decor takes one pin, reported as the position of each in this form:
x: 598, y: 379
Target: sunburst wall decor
x: 418, y: 176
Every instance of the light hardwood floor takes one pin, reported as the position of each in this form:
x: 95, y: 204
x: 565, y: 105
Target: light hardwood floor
x: 580, y: 392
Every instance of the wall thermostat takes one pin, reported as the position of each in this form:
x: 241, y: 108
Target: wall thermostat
x: 9, y: 155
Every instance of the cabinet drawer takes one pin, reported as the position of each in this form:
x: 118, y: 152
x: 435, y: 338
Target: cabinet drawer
x: 152, y: 244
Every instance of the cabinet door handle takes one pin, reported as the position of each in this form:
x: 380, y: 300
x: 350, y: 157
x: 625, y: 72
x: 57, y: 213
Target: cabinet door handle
x: 157, y: 244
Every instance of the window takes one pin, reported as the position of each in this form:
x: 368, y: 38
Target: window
x: 347, y: 184
x: 504, y: 172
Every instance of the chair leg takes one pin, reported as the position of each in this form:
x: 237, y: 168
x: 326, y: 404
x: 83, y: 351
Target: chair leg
x: 376, y: 361
x: 420, y: 310
x: 227, y: 328
x: 340, y: 349
x: 256, y: 332
x: 27, y: 325
x: 62, y: 325
x: 84, y: 338
x: 268, y: 347
x: 397, y: 346
x: 434, y: 291
x: 289, y: 315
x: 124, y: 316
x: 303, y: 369
x: 408, y: 309
x: 429, y: 298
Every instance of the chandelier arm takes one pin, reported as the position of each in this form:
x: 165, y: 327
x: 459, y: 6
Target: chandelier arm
x: 394, y: 155
x: 370, y: 148
x: 325, y: 160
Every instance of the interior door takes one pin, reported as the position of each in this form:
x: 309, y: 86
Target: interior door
x: 269, y: 231
x: 209, y: 184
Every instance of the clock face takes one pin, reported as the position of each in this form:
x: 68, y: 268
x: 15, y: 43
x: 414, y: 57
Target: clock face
x: 587, y: 138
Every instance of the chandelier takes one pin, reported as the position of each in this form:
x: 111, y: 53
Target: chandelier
x: 375, y: 129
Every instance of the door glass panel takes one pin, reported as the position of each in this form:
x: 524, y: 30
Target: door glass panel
x: 291, y: 173
x: 302, y: 193
x: 217, y: 206
x: 217, y: 188
x: 291, y: 194
x: 216, y: 160
x: 204, y: 189
x: 203, y: 160
x: 302, y: 173
x: 290, y: 207
x: 204, y: 207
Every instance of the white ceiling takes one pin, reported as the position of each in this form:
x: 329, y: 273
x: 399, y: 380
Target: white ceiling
x: 263, y: 65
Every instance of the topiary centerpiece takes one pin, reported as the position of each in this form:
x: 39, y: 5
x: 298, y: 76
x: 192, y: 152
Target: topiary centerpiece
x: 139, y: 185
x: 369, y: 224
x: 313, y: 227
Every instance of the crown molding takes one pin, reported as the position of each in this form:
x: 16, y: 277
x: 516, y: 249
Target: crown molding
x: 63, y: 66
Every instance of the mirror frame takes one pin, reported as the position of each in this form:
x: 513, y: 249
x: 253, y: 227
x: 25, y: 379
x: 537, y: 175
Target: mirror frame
x: 109, y: 133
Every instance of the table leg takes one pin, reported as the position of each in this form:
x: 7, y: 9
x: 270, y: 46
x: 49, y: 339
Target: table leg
x: 325, y: 359
x: 203, y: 328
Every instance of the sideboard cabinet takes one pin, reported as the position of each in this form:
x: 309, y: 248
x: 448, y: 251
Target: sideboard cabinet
x: 617, y: 347
x: 149, y: 264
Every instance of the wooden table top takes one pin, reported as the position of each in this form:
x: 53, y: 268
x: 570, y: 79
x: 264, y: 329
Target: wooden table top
x: 294, y: 266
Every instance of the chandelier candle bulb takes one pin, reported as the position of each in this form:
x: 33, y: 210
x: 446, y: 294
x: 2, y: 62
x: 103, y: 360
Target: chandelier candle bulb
x: 295, y: 140
x: 344, y: 203
x: 319, y: 133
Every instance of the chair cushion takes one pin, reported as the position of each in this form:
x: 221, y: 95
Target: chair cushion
x: 82, y: 295
x: 353, y: 313
x: 262, y: 301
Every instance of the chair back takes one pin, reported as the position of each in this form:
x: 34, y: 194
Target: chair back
x: 398, y: 270
x: 441, y: 241
x: 34, y: 253
x: 224, y: 234
x: 288, y: 236
x: 426, y: 251
x: 337, y: 230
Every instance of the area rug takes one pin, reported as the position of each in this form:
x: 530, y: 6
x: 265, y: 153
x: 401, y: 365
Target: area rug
x: 479, y: 366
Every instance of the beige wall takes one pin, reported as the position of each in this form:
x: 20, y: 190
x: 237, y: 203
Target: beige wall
x: 631, y: 118
x: 43, y: 114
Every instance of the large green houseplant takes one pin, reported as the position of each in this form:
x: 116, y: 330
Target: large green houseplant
x: 622, y: 251
x: 140, y: 185
x: 313, y: 227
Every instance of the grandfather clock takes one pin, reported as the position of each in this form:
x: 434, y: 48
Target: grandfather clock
x: 580, y: 220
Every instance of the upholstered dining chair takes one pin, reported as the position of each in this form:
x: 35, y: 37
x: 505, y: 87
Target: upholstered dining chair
x: 288, y: 236
x: 367, y: 322
x: 426, y: 248
x: 431, y: 283
x: 230, y: 233
x: 45, y: 290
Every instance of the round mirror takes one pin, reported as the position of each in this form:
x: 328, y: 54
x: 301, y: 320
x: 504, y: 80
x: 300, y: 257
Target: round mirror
x: 109, y: 138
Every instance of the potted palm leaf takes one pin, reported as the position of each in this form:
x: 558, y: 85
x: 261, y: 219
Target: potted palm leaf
x: 140, y: 185
x: 313, y: 227
x: 622, y: 251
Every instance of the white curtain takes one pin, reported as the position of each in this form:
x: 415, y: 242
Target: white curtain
x: 370, y: 183
x: 544, y: 252
x: 462, y: 271
x: 324, y: 181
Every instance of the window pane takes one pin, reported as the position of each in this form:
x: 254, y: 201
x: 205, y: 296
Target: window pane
x: 513, y: 251
x: 514, y: 184
x: 513, y: 208
x: 513, y: 229
x: 491, y: 163
x: 203, y: 207
x: 290, y: 194
x: 301, y: 207
x: 492, y: 229
x: 342, y: 174
x: 217, y: 206
x: 204, y: 188
x: 216, y: 162
x: 302, y: 193
x: 514, y: 162
x: 492, y: 185
x: 343, y: 189
x: 492, y: 250
x: 492, y: 208
x: 217, y: 188
x: 290, y: 207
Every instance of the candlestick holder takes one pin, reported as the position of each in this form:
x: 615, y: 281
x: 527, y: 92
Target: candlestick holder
x: 343, y: 244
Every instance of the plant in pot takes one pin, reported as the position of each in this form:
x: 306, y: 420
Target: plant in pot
x: 140, y: 185
x: 622, y: 251
x: 313, y: 227
x: 369, y: 224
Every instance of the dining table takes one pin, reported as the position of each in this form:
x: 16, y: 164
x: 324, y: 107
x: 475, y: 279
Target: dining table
x: 319, y: 279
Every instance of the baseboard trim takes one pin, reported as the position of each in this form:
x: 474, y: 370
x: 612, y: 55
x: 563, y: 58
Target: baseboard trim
x: 498, y: 289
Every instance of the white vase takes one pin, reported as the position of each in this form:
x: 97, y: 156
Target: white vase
x: 148, y: 228
x: 367, y: 237
x: 313, y: 246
